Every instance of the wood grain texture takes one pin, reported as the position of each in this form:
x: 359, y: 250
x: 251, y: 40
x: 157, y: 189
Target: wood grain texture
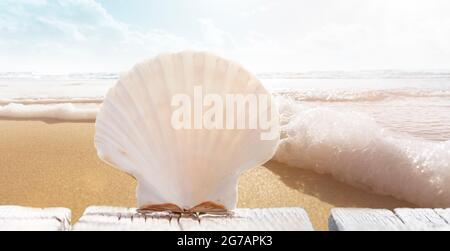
x: 444, y: 213
x: 113, y: 218
x: 361, y: 219
x: 420, y: 218
x: 124, y: 219
x: 16, y: 218
x: 407, y: 219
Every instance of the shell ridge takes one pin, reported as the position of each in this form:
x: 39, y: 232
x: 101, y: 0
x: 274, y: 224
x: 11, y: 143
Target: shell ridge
x: 180, y: 134
x: 108, y: 137
x: 125, y: 120
x: 148, y: 161
x: 188, y: 62
x: 134, y: 137
x: 197, y: 63
x: 233, y: 78
x: 103, y: 128
x: 139, y: 113
x: 167, y: 66
x: 227, y: 89
x: 234, y: 146
x: 158, y: 122
x: 164, y: 134
x: 152, y: 107
x: 209, y: 67
x: 128, y: 167
x: 219, y: 135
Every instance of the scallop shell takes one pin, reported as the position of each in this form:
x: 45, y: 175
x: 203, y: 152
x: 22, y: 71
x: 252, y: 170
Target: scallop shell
x: 190, y: 169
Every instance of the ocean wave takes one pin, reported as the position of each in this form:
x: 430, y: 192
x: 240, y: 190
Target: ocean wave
x: 362, y: 74
x: 64, y: 112
x: 297, y: 95
x: 354, y: 149
x: 361, y: 95
x: 47, y: 76
x: 49, y: 101
x: 368, y: 74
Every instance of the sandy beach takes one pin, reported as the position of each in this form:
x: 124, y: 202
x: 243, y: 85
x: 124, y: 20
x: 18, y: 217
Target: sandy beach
x: 51, y: 164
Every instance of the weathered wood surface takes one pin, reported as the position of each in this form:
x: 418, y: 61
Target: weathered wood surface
x: 361, y: 219
x: 16, y: 218
x: 444, y: 213
x: 406, y: 219
x: 420, y: 218
x: 113, y: 218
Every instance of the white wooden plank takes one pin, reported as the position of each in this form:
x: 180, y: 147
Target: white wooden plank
x: 362, y: 219
x: 123, y: 219
x: 110, y: 219
x: 16, y: 218
x: 269, y: 219
x: 420, y: 218
x: 444, y: 213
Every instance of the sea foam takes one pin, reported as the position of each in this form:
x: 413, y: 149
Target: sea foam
x: 362, y: 95
x: 354, y: 149
x: 66, y: 112
x: 51, y: 101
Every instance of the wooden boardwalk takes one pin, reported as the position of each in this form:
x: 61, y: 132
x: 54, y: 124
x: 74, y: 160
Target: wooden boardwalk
x: 270, y: 219
x: 267, y: 219
x: 406, y: 219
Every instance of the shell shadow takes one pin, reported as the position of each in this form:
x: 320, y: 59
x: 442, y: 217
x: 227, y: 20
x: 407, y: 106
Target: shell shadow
x: 327, y: 189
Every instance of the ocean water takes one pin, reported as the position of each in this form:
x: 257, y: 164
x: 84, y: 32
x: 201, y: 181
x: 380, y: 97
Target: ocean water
x: 412, y: 103
x: 418, y: 107
x: 384, y: 131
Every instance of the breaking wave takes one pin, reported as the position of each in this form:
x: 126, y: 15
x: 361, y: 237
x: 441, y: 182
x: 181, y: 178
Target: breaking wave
x: 354, y: 149
x: 71, y: 76
x: 65, y: 112
x: 51, y: 101
x: 361, y: 96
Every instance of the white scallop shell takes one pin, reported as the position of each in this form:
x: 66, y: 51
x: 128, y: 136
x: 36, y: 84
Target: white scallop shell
x: 184, y: 167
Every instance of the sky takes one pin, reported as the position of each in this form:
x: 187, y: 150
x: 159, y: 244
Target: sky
x: 56, y: 36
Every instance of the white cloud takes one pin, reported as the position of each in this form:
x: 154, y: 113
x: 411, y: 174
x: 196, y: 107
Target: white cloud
x: 354, y: 34
x: 74, y: 35
x: 258, y: 8
x: 80, y: 35
x: 216, y: 37
x: 68, y: 28
x: 395, y: 34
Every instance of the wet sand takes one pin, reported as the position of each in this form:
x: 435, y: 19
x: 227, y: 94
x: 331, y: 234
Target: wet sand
x: 51, y: 164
